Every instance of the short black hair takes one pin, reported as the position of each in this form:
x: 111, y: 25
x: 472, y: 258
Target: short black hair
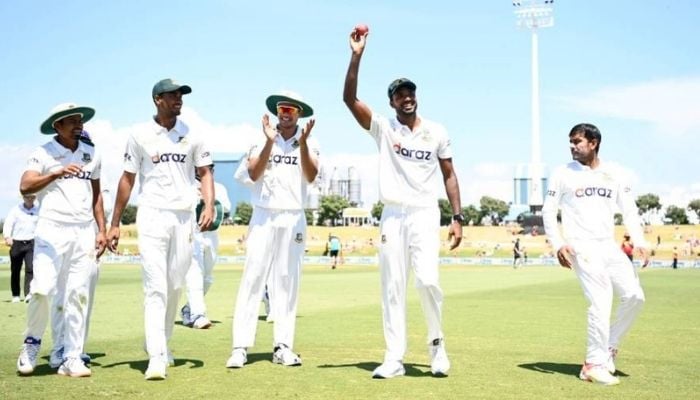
x: 590, y: 132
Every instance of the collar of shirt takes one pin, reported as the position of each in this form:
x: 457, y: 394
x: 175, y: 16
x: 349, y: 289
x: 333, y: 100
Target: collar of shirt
x: 404, y: 129
x: 180, y: 128
x: 63, y: 151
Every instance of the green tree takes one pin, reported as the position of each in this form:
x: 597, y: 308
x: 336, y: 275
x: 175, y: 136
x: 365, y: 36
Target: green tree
x: 309, y: 213
x: 618, y: 219
x: 377, y: 209
x: 694, y: 206
x: 472, y: 215
x: 129, y: 214
x: 493, y: 208
x: 331, y: 207
x: 677, y: 215
x: 646, y: 204
x: 244, y: 211
x: 445, y: 212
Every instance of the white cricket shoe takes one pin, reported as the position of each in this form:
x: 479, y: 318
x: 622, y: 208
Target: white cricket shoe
x: 238, y: 358
x: 171, y: 359
x: 389, y: 369
x: 201, y: 322
x: 28, y: 298
x: 610, y: 364
x: 75, y: 368
x: 156, y: 369
x: 283, y: 355
x: 597, y: 374
x: 56, y: 358
x: 439, y: 363
x: 27, y: 356
x: 16, y: 299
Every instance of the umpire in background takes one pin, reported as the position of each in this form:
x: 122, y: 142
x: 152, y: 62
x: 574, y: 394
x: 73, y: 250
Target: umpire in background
x: 18, y: 231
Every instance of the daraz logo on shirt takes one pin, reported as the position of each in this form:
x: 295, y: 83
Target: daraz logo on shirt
x: 593, y: 191
x: 168, y: 157
x: 410, y: 153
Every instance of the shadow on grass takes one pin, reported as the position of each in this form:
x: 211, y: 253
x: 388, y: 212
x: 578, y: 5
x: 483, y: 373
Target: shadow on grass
x: 560, y: 368
x: 141, y: 365
x: 93, y: 357
x: 213, y: 322
x: 258, y: 357
x: 411, y: 369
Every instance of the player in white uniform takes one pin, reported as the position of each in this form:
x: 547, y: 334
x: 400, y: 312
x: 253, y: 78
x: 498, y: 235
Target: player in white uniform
x: 200, y: 275
x: 165, y: 157
x: 65, y: 173
x: 56, y: 357
x: 411, y: 152
x: 281, y: 166
x: 589, y: 192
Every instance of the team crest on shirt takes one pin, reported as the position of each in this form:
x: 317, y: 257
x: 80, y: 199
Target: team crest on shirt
x: 86, y: 157
x: 299, y: 237
x: 295, y: 144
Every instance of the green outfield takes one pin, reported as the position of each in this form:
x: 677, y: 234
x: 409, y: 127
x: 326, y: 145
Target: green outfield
x: 510, y: 334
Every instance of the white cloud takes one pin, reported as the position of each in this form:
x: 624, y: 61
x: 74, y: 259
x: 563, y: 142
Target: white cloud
x: 671, y: 105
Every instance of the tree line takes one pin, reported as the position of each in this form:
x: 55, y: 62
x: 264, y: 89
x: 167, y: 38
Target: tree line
x: 490, y: 211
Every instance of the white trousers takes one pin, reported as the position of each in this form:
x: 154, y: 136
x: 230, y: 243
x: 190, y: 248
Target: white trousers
x: 410, y: 239
x: 276, y: 244
x: 165, y: 242
x: 57, y: 314
x: 200, y: 275
x: 603, y: 271
x: 64, y: 260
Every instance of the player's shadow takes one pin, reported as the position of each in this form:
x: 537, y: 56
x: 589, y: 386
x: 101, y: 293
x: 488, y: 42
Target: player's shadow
x: 141, y: 365
x: 258, y: 357
x: 412, y: 369
x: 558, y: 368
x: 213, y: 323
x: 93, y: 357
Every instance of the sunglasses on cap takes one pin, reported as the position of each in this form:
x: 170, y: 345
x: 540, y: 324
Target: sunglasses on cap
x: 287, y: 109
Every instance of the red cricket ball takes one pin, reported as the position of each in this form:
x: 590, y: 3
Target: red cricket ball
x: 360, y: 30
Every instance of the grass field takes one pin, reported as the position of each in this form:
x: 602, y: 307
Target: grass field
x: 510, y: 334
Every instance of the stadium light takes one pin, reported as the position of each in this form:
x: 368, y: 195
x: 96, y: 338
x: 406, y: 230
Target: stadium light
x: 532, y: 15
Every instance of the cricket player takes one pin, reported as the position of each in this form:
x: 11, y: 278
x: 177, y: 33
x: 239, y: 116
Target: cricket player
x: 414, y: 155
x: 200, y: 275
x: 18, y: 232
x: 281, y: 165
x: 165, y: 156
x: 589, y: 192
x: 65, y: 173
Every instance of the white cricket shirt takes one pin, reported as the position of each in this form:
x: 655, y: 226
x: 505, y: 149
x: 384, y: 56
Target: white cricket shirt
x: 20, y: 222
x: 165, y: 161
x: 588, y: 199
x: 283, y: 185
x: 68, y: 198
x: 409, y: 167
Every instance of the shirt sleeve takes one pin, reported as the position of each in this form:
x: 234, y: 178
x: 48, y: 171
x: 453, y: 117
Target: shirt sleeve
x: 132, y: 160
x: 551, y: 208
x: 202, y: 154
x: 444, y: 150
x: 34, y: 162
x: 377, y: 126
x: 630, y: 215
x: 9, y: 223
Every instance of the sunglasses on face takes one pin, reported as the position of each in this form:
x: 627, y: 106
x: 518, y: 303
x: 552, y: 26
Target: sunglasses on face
x: 282, y: 109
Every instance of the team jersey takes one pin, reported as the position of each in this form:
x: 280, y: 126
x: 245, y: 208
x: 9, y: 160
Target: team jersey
x: 588, y: 199
x: 165, y: 161
x: 283, y: 185
x: 409, y: 167
x: 68, y: 198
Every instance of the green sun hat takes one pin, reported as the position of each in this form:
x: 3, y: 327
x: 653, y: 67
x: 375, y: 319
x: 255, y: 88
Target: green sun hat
x: 64, y: 110
x: 291, y: 98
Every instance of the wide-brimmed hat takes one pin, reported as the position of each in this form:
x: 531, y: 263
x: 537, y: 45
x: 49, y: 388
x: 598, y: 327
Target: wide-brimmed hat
x: 289, y: 97
x: 169, y: 85
x: 62, y: 111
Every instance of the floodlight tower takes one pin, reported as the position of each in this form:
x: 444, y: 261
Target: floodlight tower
x: 532, y: 15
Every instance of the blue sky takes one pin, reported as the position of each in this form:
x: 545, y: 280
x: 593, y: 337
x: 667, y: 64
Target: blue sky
x: 631, y: 68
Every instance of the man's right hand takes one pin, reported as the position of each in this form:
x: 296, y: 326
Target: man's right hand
x: 358, y: 42
x: 113, y: 239
x: 8, y: 241
x: 564, y: 255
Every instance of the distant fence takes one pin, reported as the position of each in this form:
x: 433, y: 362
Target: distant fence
x: 373, y: 260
